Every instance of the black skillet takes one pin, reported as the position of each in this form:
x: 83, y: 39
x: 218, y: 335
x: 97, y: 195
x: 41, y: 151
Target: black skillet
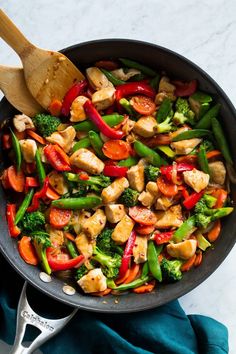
x: 178, y: 67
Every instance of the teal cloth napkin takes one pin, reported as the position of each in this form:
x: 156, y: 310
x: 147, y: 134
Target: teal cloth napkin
x: 166, y: 329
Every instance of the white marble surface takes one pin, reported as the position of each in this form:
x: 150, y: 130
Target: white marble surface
x: 203, y: 31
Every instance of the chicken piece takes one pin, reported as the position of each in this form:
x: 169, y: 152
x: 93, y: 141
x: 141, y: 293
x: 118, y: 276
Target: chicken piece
x: 183, y: 250
x: 184, y: 147
x: 146, y: 127
x: 77, y: 113
x: 84, y: 245
x: 122, y: 230
x: 170, y: 218
x: 140, y: 249
x: 163, y: 203
x: 103, y: 98
x: 28, y: 149
x: 93, y: 281
x: 64, y: 138
x: 178, y: 131
x: 114, y: 212
x: 196, y: 179
x: 22, y: 122
x: 148, y: 198
x: 121, y: 75
x: 78, y: 219
x: 217, y: 172
x: 111, y: 193
x: 56, y: 236
x: 94, y: 225
x: 97, y: 79
x: 152, y: 188
x: 127, y: 126
x: 165, y: 90
x: 87, y: 161
x: 136, y: 177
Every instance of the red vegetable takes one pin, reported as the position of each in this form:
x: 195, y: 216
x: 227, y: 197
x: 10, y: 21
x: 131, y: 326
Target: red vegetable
x: 57, y: 157
x: 144, y: 229
x: 134, y: 88
x: 116, y: 149
x: 39, y: 195
x: 143, y: 105
x: 115, y: 171
x: 142, y: 215
x: 11, y: 213
x: 59, y: 218
x: 16, y: 179
x: 31, y: 182
x: 127, y: 254
x: 58, y: 262
x: 27, y: 251
x: 185, y: 88
x: 76, y: 90
x: 55, y: 107
x: 103, y: 127
x: 180, y: 167
x: 6, y: 141
x: 192, y: 200
x: 163, y: 237
x: 166, y: 187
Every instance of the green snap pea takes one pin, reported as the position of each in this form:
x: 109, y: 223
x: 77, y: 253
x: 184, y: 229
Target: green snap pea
x: 205, y: 121
x: 123, y: 287
x: 77, y: 203
x: 221, y: 140
x: 96, y: 143
x: 111, y: 120
x: 185, y: 230
x: 154, y: 82
x: 127, y: 106
x: 152, y: 156
x: 129, y: 162
x: 202, y: 160
x: 194, y: 133
x: 17, y: 150
x: 164, y: 110
x: 166, y: 150
x: 71, y: 248
x: 153, y: 263
x: 145, y: 270
x: 22, y: 209
x: 112, y: 78
x: 135, y: 65
x: 40, y: 168
x: 83, y: 143
x: 137, y: 77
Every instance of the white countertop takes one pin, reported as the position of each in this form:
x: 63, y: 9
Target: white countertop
x: 203, y: 31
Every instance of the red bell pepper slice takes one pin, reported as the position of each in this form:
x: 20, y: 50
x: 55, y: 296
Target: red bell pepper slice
x: 181, y: 167
x: 57, y: 157
x: 184, y: 89
x: 96, y: 118
x: 127, y: 254
x: 192, y: 200
x: 133, y: 88
x: 39, y: 195
x: 6, y: 141
x: 115, y: 171
x: 163, y: 237
x: 56, y: 263
x: 31, y: 182
x: 76, y: 90
x: 11, y: 213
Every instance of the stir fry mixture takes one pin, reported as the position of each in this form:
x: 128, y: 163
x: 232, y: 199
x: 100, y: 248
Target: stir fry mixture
x: 123, y: 183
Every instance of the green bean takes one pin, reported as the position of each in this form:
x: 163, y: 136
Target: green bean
x: 221, y: 140
x: 166, y: 150
x: 134, y: 65
x: 164, y: 110
x: 112, y: 78
x: 154, y: 83
x: 205, y: 121
x: 191, y: 134
x: 123, y: 287
x: 77, y: 203
x: 137, y: 77
x: 40, y: 168
x: 129, y: 162
x: 152, y: 156
x: 202, y: 160
x: 71, y: 248
x: 185, y: 230
x: 153, y: 262
x: 111, y: 120
x: 22, y: 209
x: 17, y: 150
x: 96, y: 143
x: 83, y: 143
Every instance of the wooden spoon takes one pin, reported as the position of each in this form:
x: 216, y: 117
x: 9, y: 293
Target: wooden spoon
x: 48, y: 74
x: 12, y: 84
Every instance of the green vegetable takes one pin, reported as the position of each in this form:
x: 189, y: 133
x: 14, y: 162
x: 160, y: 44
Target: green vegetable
x: 46, y: 124
x: 185, y: 230
x: 208, y: 145
x: 135, y: 65
x: 202, y: 160
x: 221, y: 140
x: 22, y: 209
x: 40, y: 168
x: 152, y: 156
x: 166, y: 150
x: 151, y: 173
x: 129, y: 162
x: 134, y: 284
x: 183, y: 112
x: 205, y: 121
x: 171, y: 270
x: 34, y: 221
x: 110, y: 263
x: 106, y: 244
x: 95, y: 183
x: 129, y: 197
x: 83, y: 143
x: 154, y: 82
x: 145, y: 270
x: 190, y: 134
x: 209, y: 200
x: 112, y: 78
x: 202, y: 242
x: 41, y: 242
x: 166, y: 126
x: 200, y: 103
x: 17, y: 150
x: 153, y: 263
x: 71, y: 248
x: 137, y: 77
x: 111, y: 120
x: 96, y: 143
x: 164, y: 110
x: 77, y: 203
x: 128, y: 107
x: 80, y: 272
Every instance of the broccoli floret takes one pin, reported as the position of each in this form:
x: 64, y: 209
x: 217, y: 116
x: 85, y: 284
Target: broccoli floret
x: 183, y: 112
x: 151, y: 173
x: 80, y: 272
x: 110, y: 262
x: 95, y: 183
x: 171, y: 269
x: 34, y: 221
x: 129, y: 197
x: 106, y: 244
x: 41, y: 242
x: 46, y: 124
x: 209, y: 200
x: 166, y: 126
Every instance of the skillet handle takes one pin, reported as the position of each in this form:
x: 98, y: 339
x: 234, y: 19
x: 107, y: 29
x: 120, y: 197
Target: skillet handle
x: 48, y: 327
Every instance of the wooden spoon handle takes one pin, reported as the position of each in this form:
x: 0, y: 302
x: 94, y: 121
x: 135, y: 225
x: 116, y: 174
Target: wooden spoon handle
x: 12, y: 36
